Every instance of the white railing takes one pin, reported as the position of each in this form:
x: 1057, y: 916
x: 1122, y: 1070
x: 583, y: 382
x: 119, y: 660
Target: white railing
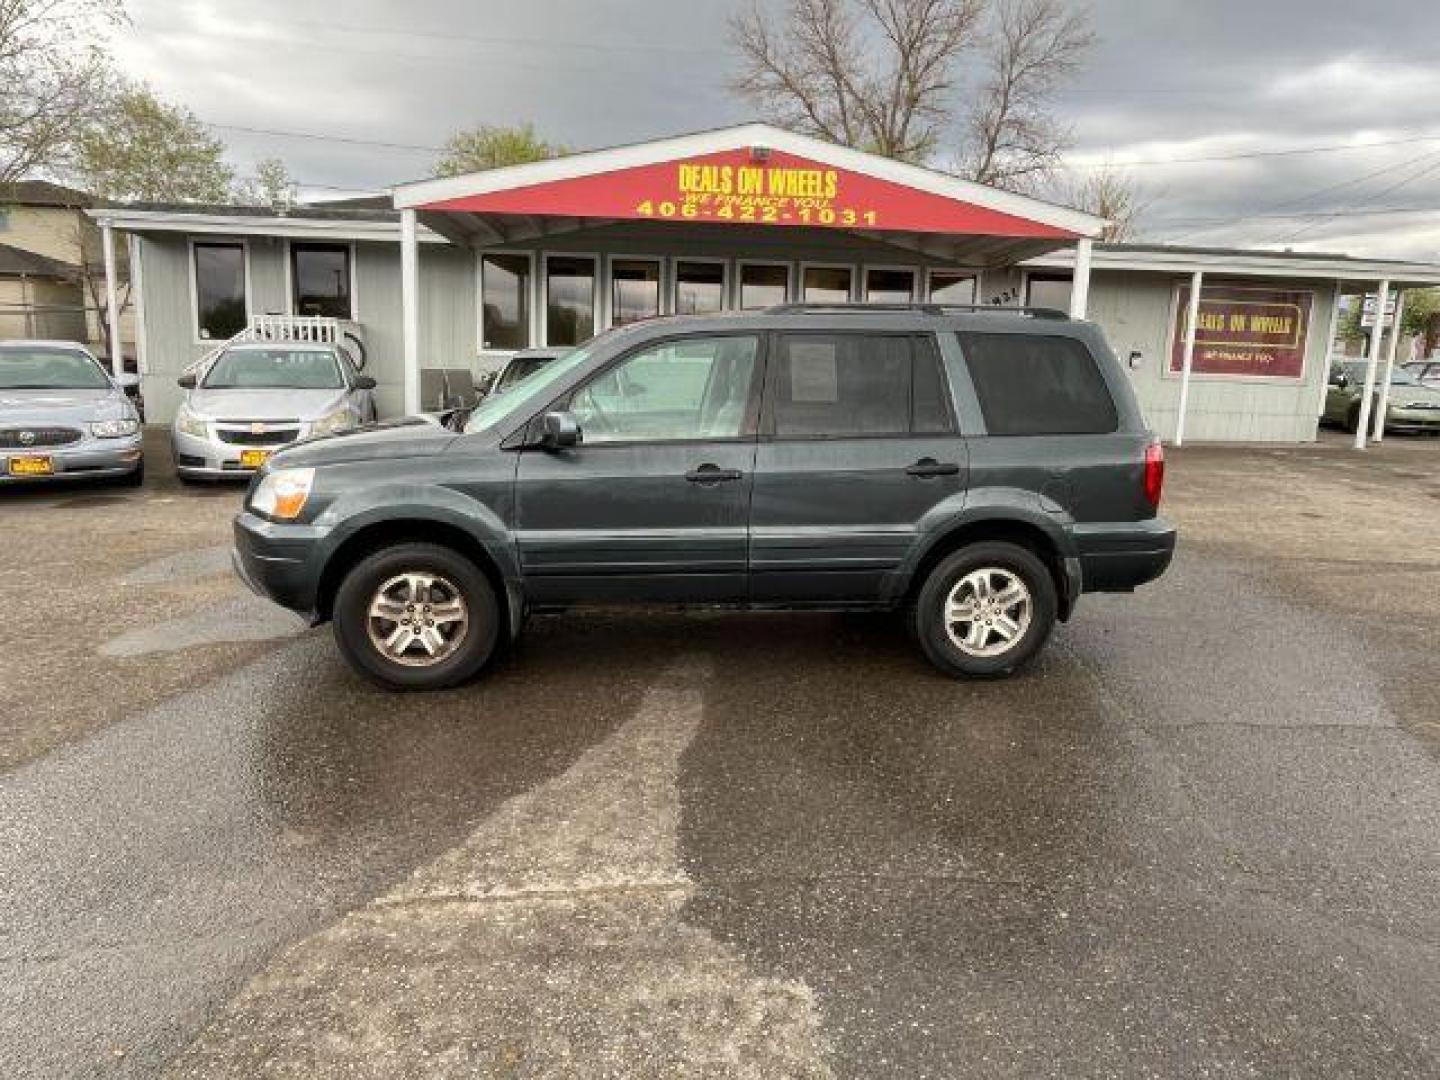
x: 315, y: 328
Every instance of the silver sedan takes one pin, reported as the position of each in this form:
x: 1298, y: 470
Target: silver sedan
x: 62, y: 416
x: 256, y: 397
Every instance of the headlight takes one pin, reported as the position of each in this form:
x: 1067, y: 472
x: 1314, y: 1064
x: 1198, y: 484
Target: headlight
x: 338, y: 420
x: 114, y: 429
x: 281, y: 494
x: 187, y: 423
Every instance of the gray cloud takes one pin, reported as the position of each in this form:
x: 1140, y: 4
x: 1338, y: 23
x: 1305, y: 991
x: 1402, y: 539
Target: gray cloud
x: 1170, y: 79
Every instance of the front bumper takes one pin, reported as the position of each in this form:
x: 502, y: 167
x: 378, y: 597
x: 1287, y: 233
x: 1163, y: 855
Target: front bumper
x: 1401, y: 419
x: 89, y: 459
x: 212, y: 458
x: 1121, y: 556
x: 281, y: 561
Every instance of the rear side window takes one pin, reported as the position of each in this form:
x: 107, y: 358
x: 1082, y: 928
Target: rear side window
x: 855, y: 384
x: 1030, y: 384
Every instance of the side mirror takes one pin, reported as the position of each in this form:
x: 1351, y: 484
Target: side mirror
x: 127, y: 382
x: 365, y: 382
x: 1340, y: 379
x: 558, y: 430
x: 187, y: 381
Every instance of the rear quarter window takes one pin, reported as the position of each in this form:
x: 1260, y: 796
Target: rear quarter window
x: 1033, y: 384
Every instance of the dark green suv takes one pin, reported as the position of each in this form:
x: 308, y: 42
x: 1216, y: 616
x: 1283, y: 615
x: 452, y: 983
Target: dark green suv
x: 977, y: 468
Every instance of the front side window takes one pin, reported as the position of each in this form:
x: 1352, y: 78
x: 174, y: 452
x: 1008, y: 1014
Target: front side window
x: 505, y: 293
x: 320, y: 280
x: 569, y: 300
x: 635, y: 290
x: 699, y: 288
x: 693, y: 388
x: 274, y: 369
x: 826, y: 285
x: 220, y: 309
x: 1029, y: 384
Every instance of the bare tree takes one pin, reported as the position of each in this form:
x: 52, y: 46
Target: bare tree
x: 54, y: 78
x: 872, y: 74
x: 1112, y: 194
x: 1034, y: 47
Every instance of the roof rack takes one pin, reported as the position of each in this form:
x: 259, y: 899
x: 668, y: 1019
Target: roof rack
x: 802, y: 308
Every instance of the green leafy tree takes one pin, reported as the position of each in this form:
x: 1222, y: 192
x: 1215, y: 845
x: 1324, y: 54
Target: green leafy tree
x: 272, y: 185
x: 494, y: 147
x: 148, y: 151
x: 1422, y: 317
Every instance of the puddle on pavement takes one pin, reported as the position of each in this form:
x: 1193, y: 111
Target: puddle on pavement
x: 246, y: 618
x: 183, y: 566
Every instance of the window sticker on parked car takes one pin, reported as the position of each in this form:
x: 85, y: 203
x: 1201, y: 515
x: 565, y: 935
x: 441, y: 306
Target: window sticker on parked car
x: 814, y: 373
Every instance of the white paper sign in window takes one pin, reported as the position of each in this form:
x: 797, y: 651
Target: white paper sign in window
x: 814, y: 373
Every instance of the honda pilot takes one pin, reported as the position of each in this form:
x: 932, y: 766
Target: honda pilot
x: 978, y: 469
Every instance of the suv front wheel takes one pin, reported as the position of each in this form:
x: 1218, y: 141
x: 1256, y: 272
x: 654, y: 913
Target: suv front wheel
x: 416, y: 617
x: 986, y: 610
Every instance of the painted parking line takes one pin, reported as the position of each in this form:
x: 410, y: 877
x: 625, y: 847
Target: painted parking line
x: 550, y: 942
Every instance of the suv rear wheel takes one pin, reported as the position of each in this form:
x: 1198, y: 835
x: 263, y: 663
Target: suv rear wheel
x: 416, y: 617
x: 986, y: 610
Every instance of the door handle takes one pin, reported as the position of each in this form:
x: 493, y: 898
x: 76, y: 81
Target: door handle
x: 712, y: 474
x: 930, y: 467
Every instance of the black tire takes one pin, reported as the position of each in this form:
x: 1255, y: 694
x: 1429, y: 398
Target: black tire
x: 133, y: 479
x: 928, y: 615
x: 358, y: 589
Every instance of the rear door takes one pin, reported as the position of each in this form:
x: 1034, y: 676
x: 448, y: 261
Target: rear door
x: 858, y: 445
x: 652, y: 504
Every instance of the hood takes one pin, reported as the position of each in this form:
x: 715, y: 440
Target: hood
x: 1403, y: 395
x: 261, y: 404
x: 409, y: 436
x: 63, y: 406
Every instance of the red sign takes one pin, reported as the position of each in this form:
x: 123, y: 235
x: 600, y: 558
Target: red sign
x: 1244, y: 332
x: 735, y: 187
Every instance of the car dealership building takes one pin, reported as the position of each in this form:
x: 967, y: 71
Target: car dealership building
x: 458, y: 273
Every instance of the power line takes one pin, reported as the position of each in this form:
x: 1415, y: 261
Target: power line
x: 1292, y: 152
x: 320, y: 137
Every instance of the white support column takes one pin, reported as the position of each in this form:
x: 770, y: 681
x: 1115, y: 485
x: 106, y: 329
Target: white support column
x: 1379, y: 431
x: 1377, y: 338
x: 410, y: 309
x: 1080, y: 280
x: 1192, y: 316
x: 112, y: 299
x: 1334, y: 328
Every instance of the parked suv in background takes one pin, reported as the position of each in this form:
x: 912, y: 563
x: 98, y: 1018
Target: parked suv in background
x: 977, y: 468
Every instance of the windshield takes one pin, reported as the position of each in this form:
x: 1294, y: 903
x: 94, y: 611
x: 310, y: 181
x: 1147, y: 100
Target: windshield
x: 1399, y: 377
x: 49, y: 369
x: 274, y: 369
x: 498, y: 406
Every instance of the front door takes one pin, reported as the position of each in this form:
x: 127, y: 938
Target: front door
x: 652, y: 504
x: 858, y: 453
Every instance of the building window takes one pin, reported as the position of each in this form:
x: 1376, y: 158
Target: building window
x: 1048, y: 291
x: 320, y: 280
x: 951, y: 287
x: 826, y: 285
x: 505, y: 294
x: 763, y: 285
x: 634, y: 290
x: 220, y: 310
x: 889, y: 286
x: 569, y: 299
x: 699, y: 288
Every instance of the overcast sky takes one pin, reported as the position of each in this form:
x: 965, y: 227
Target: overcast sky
x: 1170, y: 79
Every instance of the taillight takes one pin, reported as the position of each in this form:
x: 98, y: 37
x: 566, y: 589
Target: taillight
x: 1154, y: 472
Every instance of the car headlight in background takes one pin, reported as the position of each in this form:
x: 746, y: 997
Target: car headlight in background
x: 114, y: 429
x: 187, y: 423
x: 338, y: 420
x: 281, y: 494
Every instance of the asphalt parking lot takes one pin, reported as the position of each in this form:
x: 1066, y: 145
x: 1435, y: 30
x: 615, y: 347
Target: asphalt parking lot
x: 1200, y: 838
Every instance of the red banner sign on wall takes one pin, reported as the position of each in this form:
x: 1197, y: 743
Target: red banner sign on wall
x: 1244, y: 332
x: 734, y: 187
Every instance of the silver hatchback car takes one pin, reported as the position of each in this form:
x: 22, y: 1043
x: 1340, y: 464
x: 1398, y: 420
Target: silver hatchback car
x: 255, y: 397
x: 63, y: 417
